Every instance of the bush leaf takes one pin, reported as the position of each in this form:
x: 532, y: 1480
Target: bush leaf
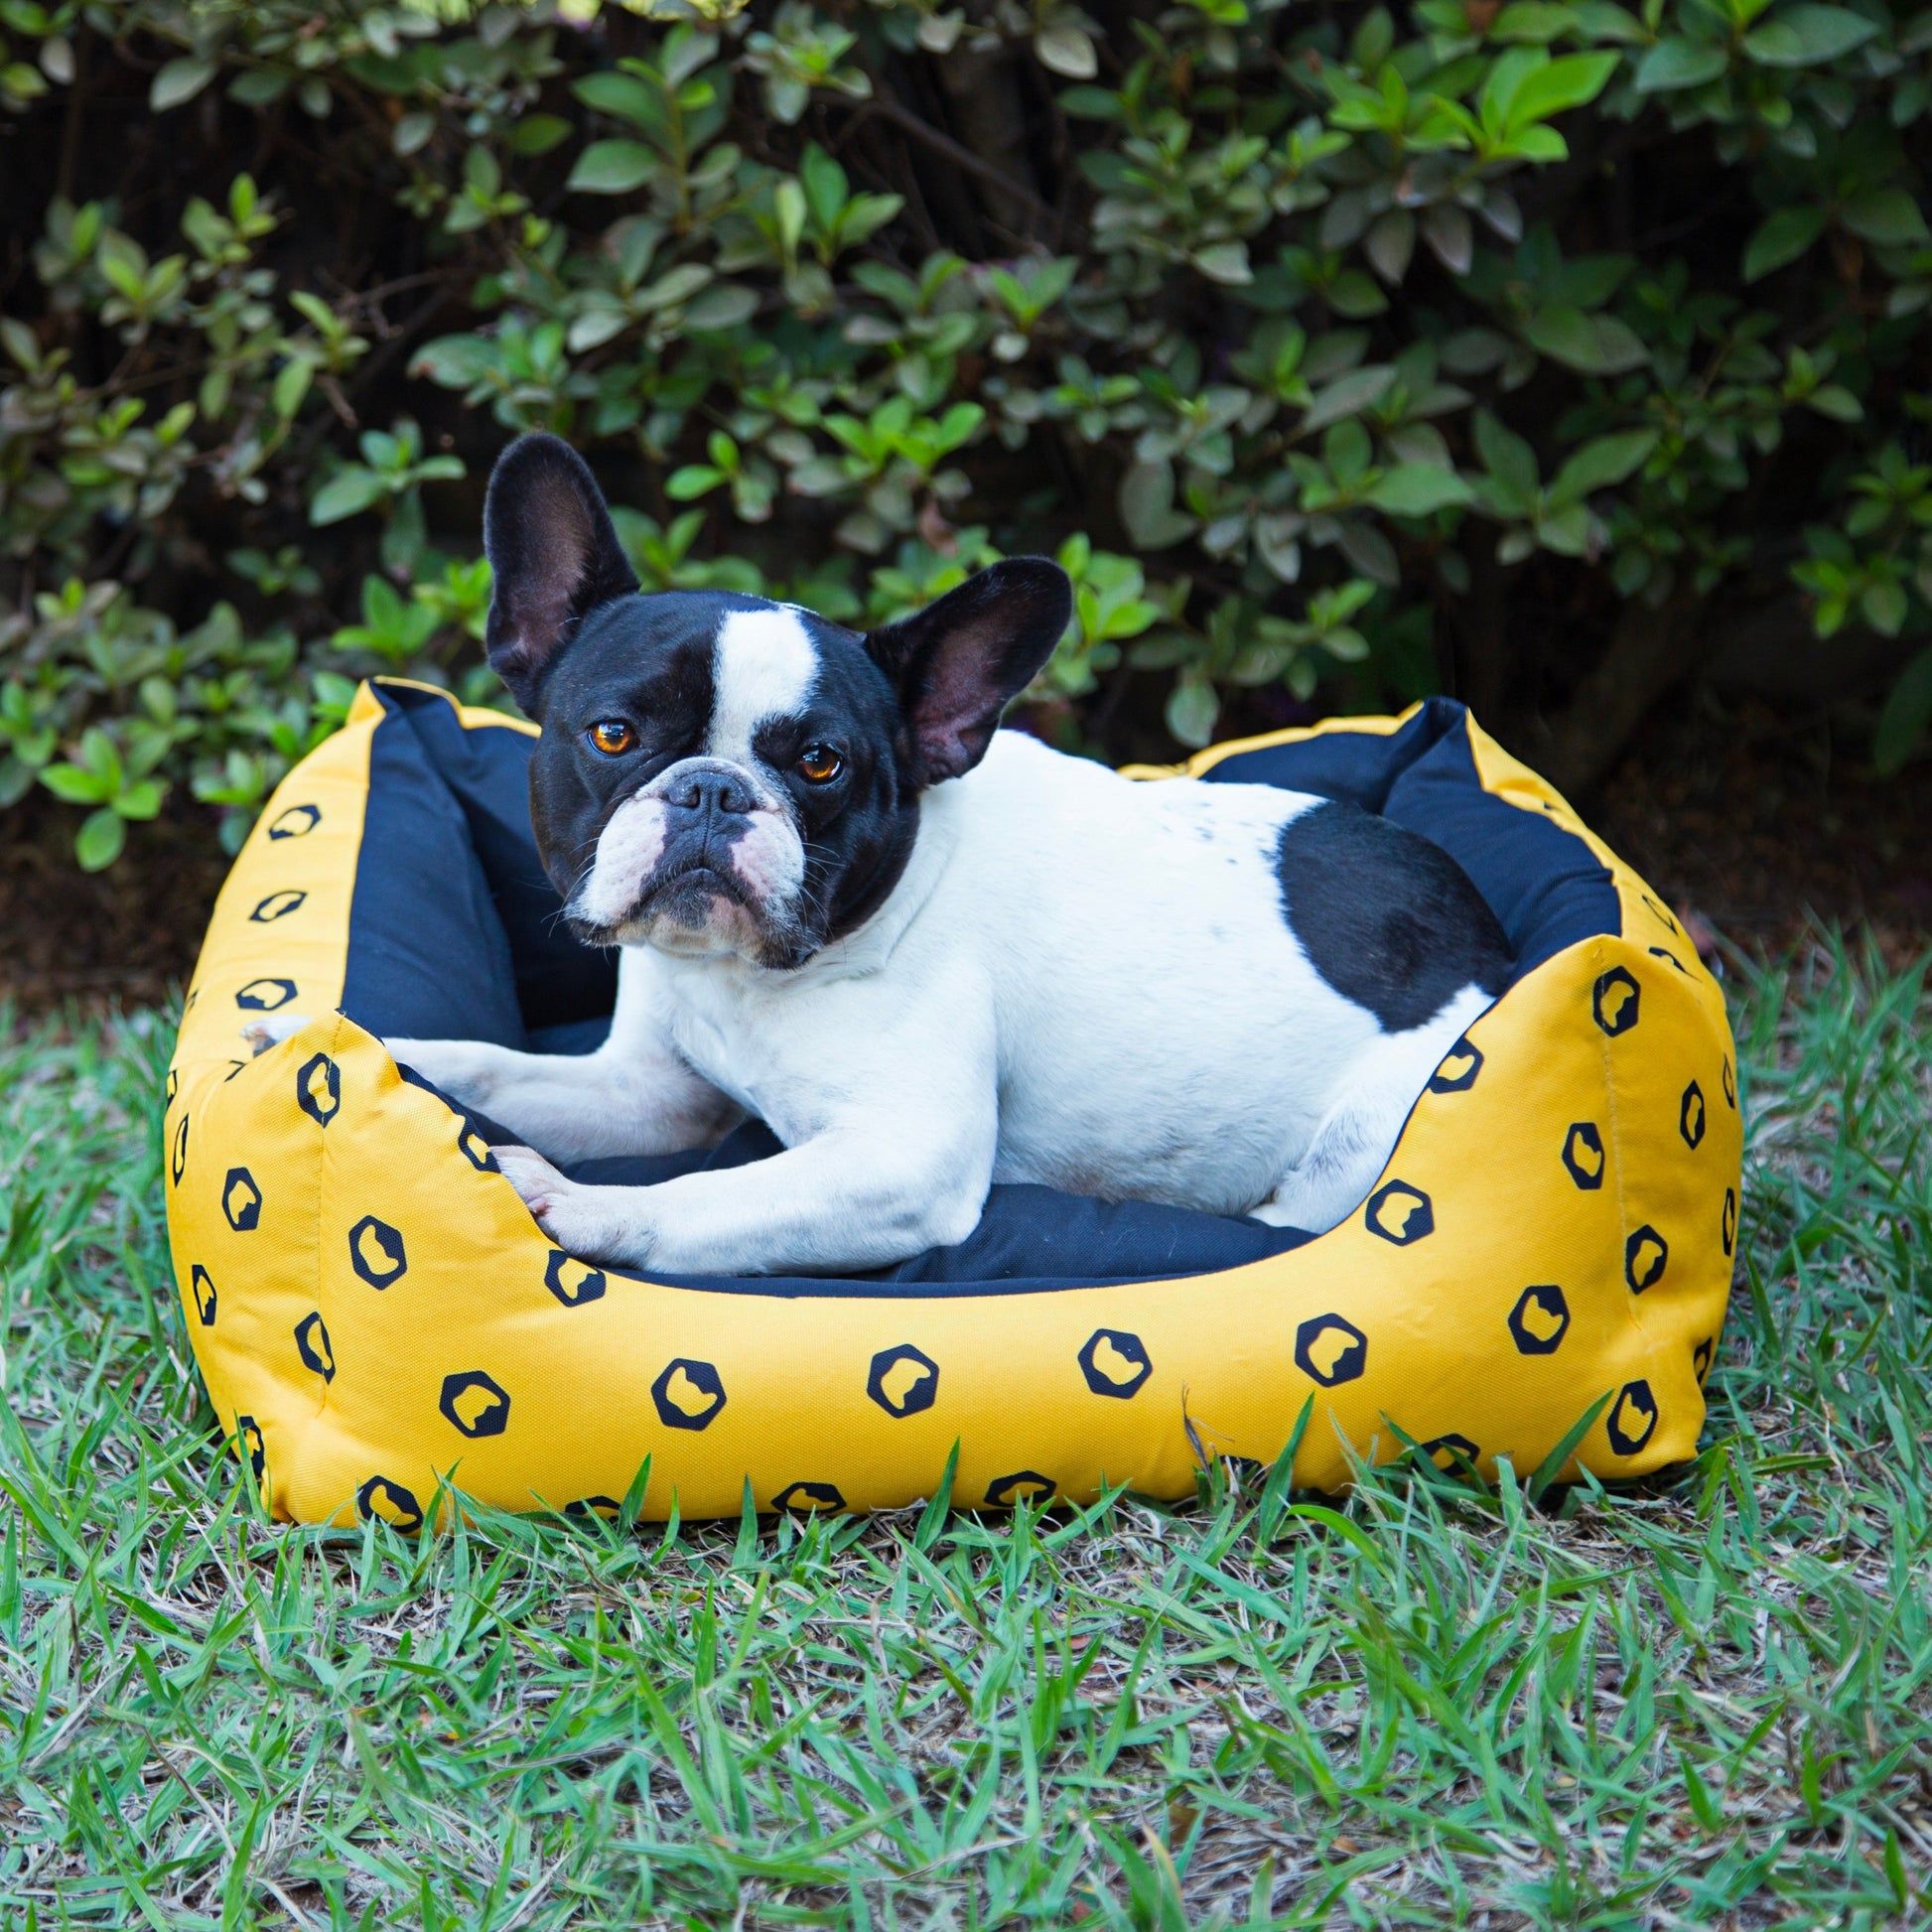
x: 1418, y: 490
x: 1193, y: 709
x: 1592, y: 345
x: 612, y: 167
x: 1907, y: 713
x: 1676, y: 63
x: 177, y: 82
x: 1782, y: 237
x: 345, y: 494
x: 1887, y: 216
x: 1808, y: 36
x: 1573, y: 81
x: 71, y: 783
x: 1226, y: 262
x: 99, y: 840
x: 1147, y: 509
x: 1348, y: 395
x: 1511, y: 463
x: 1600, y: 463
x: 624, y: 95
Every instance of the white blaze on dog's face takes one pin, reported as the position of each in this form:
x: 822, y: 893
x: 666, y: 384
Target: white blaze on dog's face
x: 722, y: 774
x: 708, y: 855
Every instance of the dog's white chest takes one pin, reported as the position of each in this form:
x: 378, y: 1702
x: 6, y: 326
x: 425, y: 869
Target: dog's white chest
x: 740, y: 1053
x: 794, y: 1051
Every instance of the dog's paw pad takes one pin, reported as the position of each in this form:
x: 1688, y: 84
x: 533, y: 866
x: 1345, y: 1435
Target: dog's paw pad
x: 536, y: 1181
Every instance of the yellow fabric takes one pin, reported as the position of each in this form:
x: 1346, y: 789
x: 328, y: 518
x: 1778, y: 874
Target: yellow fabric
x: 376, y: 1312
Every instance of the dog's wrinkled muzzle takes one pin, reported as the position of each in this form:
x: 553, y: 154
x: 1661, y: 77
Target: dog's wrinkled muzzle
x: 707, y: 807
x: 703, y: 849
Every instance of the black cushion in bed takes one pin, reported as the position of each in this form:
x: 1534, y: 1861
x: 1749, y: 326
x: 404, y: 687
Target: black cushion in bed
x: 456, y: 933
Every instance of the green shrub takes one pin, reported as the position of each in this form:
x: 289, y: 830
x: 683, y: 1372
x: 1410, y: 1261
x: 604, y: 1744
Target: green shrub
x: 1540, y: 347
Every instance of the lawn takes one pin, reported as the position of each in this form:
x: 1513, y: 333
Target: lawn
x: 1702, y: 1702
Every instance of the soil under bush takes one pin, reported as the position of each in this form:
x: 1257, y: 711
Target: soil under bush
x: 125, y: 935
x: 1760, y: 823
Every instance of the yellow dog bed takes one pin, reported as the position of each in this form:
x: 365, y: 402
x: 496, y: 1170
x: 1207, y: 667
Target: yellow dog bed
x: 376, y: 1312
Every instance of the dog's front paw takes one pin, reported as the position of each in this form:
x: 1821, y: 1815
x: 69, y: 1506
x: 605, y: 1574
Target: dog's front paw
x: 540, y: 1186
x: 271, y: 1029
x: 571, y: 1214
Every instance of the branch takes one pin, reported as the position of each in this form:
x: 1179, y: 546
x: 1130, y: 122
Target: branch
x: 1649, y: 652
x: 956, y: 152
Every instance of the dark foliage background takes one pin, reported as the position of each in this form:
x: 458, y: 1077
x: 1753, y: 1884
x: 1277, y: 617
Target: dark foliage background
x: 1549, y: 354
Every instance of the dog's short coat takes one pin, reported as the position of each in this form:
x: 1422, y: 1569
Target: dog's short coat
x: 929, y: 955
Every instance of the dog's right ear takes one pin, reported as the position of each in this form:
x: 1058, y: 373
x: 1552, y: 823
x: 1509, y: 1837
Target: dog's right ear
x: 554, y: 557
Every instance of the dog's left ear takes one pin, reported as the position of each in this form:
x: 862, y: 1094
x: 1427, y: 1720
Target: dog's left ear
x: 554, y: 557
x: 959, y: 663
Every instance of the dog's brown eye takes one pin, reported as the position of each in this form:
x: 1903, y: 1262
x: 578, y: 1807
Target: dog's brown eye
x: 613, y: 736
x: 820, y: 764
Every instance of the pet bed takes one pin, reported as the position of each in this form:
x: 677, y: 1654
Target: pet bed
x: 375, y: 1311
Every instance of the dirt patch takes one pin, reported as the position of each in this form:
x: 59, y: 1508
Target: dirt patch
x: 1761, y: 823
x: 124, y: 936
x: 1756, y: 822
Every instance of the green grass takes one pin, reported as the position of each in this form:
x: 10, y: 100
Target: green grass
x: 1706, y: 1702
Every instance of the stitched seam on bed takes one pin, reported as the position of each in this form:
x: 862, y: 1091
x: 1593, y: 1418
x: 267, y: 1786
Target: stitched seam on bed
x: 1632, y: 1314
x: 322, y: 1176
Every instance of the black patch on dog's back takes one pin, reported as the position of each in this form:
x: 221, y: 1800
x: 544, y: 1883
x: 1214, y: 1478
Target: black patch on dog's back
x: 1387, y: 917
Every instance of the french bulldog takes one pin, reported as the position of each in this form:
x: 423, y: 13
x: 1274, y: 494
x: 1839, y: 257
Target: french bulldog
x: 929, y: 953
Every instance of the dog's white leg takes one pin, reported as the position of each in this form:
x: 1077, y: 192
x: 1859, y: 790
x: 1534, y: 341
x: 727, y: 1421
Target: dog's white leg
x: 850, y: 1199
x: 625, y: 1098
x: 1358, y: 1133
x: 1333, y: 1178
x: 637, y: 1094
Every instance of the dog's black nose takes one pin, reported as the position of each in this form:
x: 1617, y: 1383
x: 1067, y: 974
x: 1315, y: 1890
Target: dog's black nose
x: 710, y: 788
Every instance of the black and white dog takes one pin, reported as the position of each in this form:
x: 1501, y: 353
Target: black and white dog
x: 930, y: 954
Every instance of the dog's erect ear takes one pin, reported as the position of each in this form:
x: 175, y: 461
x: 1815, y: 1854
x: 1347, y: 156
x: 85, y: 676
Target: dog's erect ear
x: 959, y: 663
x: 553, y: 558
